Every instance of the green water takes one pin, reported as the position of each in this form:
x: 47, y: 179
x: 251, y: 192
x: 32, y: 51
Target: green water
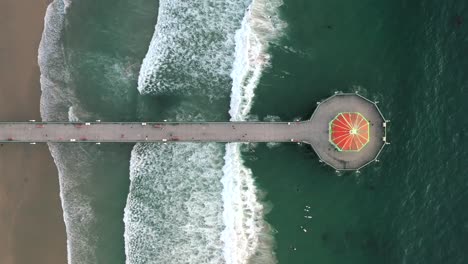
x: 411, y: 56
x: 411, y: 207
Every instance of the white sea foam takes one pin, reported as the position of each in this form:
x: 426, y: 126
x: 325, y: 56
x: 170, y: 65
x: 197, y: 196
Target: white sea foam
x: 192, y: 47
x: 66, y: 5
x: 174, y: 204
x: 272, y: 118
x: 72, y: 117
x: 247, y: 236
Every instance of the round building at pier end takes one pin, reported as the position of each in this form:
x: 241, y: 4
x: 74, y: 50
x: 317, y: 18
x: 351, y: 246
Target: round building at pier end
x: 349, y: 131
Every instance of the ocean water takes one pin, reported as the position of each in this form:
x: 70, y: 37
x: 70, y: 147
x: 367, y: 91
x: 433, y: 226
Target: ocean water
x: 259, y: 60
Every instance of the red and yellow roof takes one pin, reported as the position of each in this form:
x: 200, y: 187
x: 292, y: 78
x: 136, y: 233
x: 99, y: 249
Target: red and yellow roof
x: 349, y: 131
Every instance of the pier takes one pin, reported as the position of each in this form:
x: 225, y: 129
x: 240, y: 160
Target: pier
x: 317, y: 131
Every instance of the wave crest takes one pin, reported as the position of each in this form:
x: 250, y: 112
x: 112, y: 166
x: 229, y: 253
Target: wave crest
x: 247, y: 236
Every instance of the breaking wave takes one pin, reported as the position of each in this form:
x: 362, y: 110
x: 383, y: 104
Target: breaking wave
x: 192, y: 47
x: 247, y: 236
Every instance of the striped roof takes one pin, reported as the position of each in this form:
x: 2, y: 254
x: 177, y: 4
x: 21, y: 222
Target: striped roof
x: 349, y: 131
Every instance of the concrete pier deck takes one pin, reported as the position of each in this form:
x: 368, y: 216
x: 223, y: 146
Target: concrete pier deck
x: 315, y: 131
x: 344, y: 160
x: 157, y: 132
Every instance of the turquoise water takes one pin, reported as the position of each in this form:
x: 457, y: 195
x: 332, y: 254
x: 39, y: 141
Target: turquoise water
x: 410, y: 207
x: 193, y: 203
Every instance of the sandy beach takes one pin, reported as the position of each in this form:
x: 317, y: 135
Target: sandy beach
x: 31, y: 221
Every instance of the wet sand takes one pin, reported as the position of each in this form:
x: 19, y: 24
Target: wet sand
x: 31, y: 222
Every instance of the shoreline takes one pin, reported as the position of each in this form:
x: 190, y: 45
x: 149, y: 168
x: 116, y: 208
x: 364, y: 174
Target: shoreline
x: 32, y: 219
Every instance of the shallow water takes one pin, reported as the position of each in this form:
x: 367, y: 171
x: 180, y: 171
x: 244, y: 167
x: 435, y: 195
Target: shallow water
x: 89, y: 70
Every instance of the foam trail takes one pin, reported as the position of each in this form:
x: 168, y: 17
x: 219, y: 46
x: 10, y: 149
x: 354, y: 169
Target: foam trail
x: 247, y: 237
